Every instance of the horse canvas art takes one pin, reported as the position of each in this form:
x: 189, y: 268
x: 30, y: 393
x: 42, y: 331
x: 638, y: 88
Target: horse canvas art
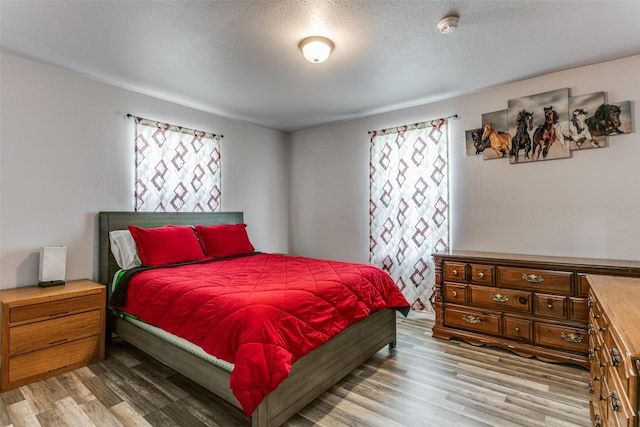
x: 528, y: 130
x: 575, y: 130
x: 500, y: 143
x: 475, y: 144
x: 522, y: 139
x: 532, y: 121
x: 545, y: 134
x: 605, y: 120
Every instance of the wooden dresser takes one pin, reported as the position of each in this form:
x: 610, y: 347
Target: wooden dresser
x: 531, y: 305
x: 614, y: 351
x: 48, y: 331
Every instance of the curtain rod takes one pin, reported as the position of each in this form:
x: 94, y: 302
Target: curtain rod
x: 453, y: 116
x: 129, y: 115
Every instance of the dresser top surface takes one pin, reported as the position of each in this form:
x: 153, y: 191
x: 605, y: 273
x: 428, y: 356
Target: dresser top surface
x: 543, y: 259
x: 38, y: 294
x: 620, y: 299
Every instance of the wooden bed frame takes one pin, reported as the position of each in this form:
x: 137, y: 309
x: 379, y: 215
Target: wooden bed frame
x: 310, y: 376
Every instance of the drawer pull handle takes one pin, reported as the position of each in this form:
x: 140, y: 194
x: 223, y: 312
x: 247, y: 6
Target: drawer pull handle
x: 597, y: 422
x: 590, y: 387
x: 590, y: 302
x: 498, y: 297
x: 516, y: 329
x: 471, y: 319
x: 58, y: 341
x: 481, y: 274
x: 615, y: 357
x: 592, y: 354
x: 532, y: 278
x: 454, y: 293
x: 455, y: 272
x: 590, y: 329
x: 550, y: 304
x: 615, y: 405
x: 572, y: 337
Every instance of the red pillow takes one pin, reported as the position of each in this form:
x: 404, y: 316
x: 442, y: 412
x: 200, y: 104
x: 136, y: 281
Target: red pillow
x: 170, y: 244
x: 225, y: 240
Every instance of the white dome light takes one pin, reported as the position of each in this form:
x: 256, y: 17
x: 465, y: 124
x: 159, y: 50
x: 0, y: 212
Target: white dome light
x: 448, y: 24
x: 316, y: 49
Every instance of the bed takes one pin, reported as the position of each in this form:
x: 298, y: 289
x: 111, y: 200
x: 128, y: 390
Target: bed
x: 310, y: 376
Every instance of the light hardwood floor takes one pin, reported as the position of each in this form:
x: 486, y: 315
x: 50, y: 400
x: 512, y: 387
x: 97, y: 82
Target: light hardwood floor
x: 423, y: 382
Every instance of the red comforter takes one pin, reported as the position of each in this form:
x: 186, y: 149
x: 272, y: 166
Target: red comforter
x: 261, y: 312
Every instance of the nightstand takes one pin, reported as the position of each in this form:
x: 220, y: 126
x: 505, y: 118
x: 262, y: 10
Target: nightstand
x: 48, y: 331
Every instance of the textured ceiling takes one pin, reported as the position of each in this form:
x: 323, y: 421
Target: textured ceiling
x: 240, y: 59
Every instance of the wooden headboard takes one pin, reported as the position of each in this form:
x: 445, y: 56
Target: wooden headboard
x: 109, y: 221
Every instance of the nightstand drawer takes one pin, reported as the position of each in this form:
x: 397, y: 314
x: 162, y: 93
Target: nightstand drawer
x: 62, y: 356
x: 35, y: 336
x: 55, y: 308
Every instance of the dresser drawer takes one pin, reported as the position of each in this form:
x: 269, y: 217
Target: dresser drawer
x: 582, y: 285
x: 536, y: 280
x: 79, y: 352
x: 501, y: 299
x: 578, y: 310
x: 619, y: 362
x: 455, y: 292
x: 454, y: 271
x: 550, y: 306
x: 559, y: 336
x: 479, y: 321
x: 55, y: 308
x: 619, y: 407
x: 482, y: 274
x: 34, y: 336
x: 517, y: 329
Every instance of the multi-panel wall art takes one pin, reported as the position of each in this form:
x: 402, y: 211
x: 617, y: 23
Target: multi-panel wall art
x: 549, y: 125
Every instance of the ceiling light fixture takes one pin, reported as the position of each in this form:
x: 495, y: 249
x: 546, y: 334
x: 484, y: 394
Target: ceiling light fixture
x: 448, y: 24
x: 316, y: 49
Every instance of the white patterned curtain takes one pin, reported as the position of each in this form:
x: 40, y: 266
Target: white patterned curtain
x: 177, y: 169
x: 409, y: 205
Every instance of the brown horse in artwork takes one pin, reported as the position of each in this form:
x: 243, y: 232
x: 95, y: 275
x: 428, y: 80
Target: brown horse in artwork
x: 545, y: 134
x: 499, y: 142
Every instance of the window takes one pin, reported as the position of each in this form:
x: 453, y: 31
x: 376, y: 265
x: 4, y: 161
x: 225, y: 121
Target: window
x: 177, y: 169
x: 409, y: 205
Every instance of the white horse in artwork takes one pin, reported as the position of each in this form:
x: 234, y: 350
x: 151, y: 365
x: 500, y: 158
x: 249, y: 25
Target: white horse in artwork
x: 575, y: 130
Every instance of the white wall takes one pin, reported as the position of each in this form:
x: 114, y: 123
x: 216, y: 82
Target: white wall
x: 67, y: 153
x: 585, y: 206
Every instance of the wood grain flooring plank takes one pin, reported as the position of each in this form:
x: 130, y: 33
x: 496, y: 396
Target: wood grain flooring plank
x: 102, y: 392
x: 181, y: 415
x: 42, y: 395
x: 99, y: 414
x: 160, y: 383
x: 65, y: 412
x: 12, y: 396
x: 128, y: 415
x: 21, y: 414
x: 203, y: 398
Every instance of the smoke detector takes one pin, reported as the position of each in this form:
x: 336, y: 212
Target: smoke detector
x: 448, y: 24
